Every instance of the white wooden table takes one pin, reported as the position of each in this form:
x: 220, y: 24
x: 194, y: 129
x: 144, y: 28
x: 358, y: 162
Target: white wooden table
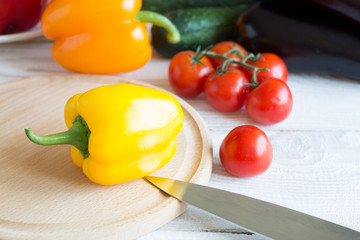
x: 316, y: 164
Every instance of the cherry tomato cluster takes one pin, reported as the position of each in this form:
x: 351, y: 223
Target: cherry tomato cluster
x: 230, y: 78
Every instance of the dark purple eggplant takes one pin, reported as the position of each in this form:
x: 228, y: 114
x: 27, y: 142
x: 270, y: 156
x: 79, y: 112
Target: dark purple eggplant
x: 346, y: 8
x: 310, y: 38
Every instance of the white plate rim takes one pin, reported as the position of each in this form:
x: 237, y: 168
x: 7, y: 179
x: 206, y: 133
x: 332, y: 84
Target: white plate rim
x: 15, y: 37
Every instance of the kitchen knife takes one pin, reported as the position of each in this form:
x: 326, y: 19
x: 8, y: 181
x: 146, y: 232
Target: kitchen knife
x: 263, y: 218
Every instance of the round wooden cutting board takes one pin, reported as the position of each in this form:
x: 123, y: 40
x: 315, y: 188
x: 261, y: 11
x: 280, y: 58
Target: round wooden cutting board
x: 43, y: 195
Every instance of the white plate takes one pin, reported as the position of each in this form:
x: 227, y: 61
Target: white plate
x: 15, y: 37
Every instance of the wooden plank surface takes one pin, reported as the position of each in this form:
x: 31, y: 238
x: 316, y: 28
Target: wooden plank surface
x: 316, y: 165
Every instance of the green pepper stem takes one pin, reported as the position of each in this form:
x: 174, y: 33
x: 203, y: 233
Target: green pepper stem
x: 77, y: 135
x: 160, y: 20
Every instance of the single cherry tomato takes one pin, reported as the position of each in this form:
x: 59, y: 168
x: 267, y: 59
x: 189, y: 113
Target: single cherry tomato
x: 186, y: 77
x: 246, y: 151
x: 226, y: 92
x: 222, y: 48
x: 270, y: 102
x: 276, y: 66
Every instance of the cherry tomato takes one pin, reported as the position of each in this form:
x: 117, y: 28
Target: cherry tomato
x: 186, y: 78
x: 276, y: 66
x: 270, y: 102
x: 226, y: 92
x: 246, y: 151
x: 223, y: 47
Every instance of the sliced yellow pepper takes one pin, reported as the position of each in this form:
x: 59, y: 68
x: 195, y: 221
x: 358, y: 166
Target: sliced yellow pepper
x: 119, y: 132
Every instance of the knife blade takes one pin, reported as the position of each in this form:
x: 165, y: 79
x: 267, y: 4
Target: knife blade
x: 263, y: 218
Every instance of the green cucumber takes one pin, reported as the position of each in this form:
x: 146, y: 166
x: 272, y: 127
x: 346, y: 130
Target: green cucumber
x: 198, y: 27
x: 163, y: 6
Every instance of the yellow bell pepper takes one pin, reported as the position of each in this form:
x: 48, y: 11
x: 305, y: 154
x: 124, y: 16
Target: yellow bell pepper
x: 119, y: 132
x: 101, y: 37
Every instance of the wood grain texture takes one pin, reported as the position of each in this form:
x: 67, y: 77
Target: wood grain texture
x: 45, y: 196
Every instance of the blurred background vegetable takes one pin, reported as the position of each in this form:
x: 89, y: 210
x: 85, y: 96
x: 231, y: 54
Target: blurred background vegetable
x: 199, y: 26
x: 20, y: 15
x: 310, y: 36
x: 110, y: 37
x: 168, y: 6
x: 349, y: 9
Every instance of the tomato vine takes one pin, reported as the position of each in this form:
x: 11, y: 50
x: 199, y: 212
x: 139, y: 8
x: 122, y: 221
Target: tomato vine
x: 246, y: 56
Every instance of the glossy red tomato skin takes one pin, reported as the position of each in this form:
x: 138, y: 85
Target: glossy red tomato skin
x: 246, y: 151
x: 223, y: 47
x: 185, y: 78
x: 270, y: 102
x: 277, y: 67
x: 226, y: 92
